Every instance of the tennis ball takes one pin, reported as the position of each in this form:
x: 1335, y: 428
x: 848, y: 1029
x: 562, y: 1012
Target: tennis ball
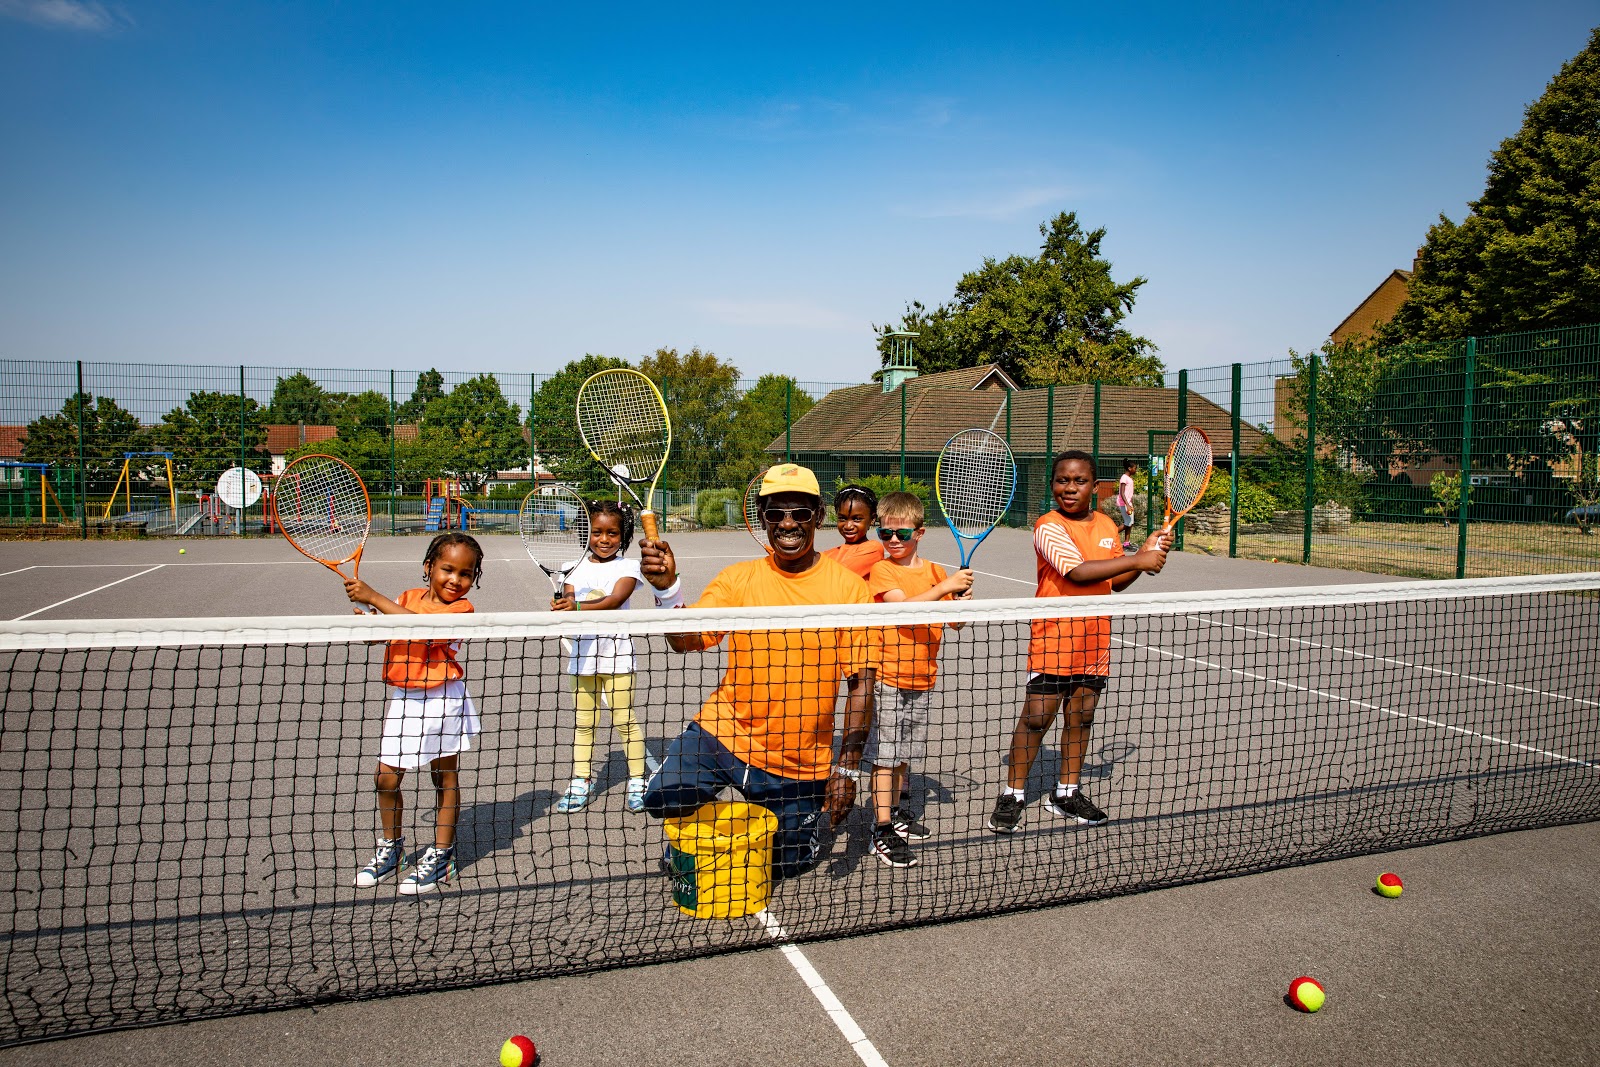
x: 518, y: 1052
x: 1389, y: 884
x: 1306, y: 994
x: 183, y: 551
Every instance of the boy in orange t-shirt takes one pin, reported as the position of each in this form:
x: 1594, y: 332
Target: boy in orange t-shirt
x: 1080, y: 553
x: 907, y: 658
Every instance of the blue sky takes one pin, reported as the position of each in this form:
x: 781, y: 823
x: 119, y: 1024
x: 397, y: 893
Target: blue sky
x: 506, y: 187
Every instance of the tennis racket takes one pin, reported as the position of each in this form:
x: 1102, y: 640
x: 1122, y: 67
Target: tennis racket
x: 321, y: 507
x: 752, y: 511
x: 1188, y: 473
x: 623, y: 421
x: 555, y: 531
x: 974, y: 483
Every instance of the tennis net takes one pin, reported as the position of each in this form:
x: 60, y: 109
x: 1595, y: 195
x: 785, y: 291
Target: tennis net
x: 187, y: 802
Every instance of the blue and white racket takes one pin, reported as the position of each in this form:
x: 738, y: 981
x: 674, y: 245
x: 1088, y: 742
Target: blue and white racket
x: 974, y: 483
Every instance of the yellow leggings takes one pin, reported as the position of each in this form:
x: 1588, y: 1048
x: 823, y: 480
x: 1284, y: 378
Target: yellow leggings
x: 614, y: 692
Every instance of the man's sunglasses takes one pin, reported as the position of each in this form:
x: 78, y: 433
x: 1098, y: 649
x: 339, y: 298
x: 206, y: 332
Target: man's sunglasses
x: 777, y: 515
x: 886, y: 533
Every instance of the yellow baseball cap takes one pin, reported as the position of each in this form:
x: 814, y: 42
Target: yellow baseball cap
x: 790, y: 478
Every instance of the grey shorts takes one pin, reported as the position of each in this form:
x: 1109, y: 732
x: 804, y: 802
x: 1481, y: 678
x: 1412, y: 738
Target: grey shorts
x: 1126, y: 513
x: 900, y: 727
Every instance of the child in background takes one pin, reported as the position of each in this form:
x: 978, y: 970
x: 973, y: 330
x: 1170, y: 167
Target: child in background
x: 601, y: 665
x: 907, y: 658
x: 430, y: 718
x: 1125, y: 502
x: 1079, y: 553
x: 856, y: 507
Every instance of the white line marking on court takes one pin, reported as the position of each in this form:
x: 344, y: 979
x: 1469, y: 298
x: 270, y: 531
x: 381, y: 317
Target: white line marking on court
x: 80, y: 596
x: 19, y: 570
x: 836, y: 1010
x: 1403, y: 663
x: 1362, y: 704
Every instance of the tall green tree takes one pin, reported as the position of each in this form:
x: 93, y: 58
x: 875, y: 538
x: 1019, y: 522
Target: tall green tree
x: 204, y: 437
x: 759, y: 421
x: 1055, y: 318
x: 108, y: 432
x: 555, y: 426
x: 477, y: 431
x: 430, y: 387
x: 702, y: 395
x: 1526, y: 255
x: 297, y: 398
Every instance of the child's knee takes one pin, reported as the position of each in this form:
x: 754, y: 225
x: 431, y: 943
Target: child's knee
x: 388, y: 779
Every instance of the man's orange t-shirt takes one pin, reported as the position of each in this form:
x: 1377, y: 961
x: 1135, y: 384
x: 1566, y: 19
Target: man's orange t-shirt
x: 774, y: 708
x: 1075, y: 646
x: 424, y: 664
x: 857, y: 559
x: 907, y: 657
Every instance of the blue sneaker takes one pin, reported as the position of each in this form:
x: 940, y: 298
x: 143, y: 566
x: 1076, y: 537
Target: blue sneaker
x: 389, y: 859
x: 576, y: 798
x: 635, y: 794
x: 437, y: 866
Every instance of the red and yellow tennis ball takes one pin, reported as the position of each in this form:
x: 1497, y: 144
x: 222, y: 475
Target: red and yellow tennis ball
x: 1306, y: 994
x: 1389, y: 884
x: 518, y: 1052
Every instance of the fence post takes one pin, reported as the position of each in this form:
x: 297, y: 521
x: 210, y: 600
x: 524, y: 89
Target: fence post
x: 241, y: 459
x: 1467, y: 391
x: 1183, y: 420
x: 83, y: 478
x: 902, y: 437
x: 788, y: 420
x: 1008, y: 445
x: 393, y: 456
x: 1049, y: 445
x: 1311, y: 459
x: 1233, y: 466
x: 1095, y: 450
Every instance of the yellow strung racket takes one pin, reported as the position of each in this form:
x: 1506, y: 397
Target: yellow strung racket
x: 322, y: 509
x: 1188, y: 473
x: 624, y: 424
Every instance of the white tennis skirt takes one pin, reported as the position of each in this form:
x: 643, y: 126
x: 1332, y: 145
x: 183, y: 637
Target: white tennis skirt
x: 422, y: 725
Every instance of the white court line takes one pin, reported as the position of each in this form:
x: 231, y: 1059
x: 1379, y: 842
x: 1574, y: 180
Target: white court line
x: 1404, y: 663
x: 1362, y: 704
x: 80, y: 596
x: 836, y: 1010
x: 19, y: 570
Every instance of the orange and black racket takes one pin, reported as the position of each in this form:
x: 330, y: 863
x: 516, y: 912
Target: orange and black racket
x: 1187, y: 475
x: 322, y: 508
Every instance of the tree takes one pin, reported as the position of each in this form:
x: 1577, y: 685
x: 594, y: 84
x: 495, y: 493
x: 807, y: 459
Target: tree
x: 359, y: 412
x: 1051, y: 319
x: 430, y: 387
x: 1524, y: 257
x: 477, y: 431
x: 296, y: 398
x: 108, y: 432
x: 204, y: 437
x: 555, y: 426
x: 702, y: 393
x: 759, y: 420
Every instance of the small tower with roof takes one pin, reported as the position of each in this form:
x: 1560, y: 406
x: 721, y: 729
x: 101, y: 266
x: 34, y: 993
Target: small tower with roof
x: 900, y: 367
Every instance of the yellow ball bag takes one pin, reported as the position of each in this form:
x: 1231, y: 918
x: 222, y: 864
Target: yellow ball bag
x: 721, y: 859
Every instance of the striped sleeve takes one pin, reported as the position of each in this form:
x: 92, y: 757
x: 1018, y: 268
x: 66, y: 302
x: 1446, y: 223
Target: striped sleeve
x: 1058, y: 549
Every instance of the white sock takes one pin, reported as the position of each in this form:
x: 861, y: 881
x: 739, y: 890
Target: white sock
x: 1019, y: 794
x: 1066, y: 790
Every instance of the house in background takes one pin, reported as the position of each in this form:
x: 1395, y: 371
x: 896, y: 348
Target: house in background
x: 1377, y: 309
x: 856, y: 431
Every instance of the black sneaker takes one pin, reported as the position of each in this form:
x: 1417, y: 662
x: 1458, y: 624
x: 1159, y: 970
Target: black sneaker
x: 892, y: 849
x: 906, y: 825
x: 1077, y: 808
x: 1007, y: 813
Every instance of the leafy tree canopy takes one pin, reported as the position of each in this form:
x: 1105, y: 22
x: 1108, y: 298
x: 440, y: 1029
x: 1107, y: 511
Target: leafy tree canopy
x: 297, y: 398
x: 430, y: 387
x: 1051, y: 319
x: 1525, y: 256
x: 702, y: 395
x: 758, y: 422
x: 210, y: 433
x: 108, y: 432
x: 477, y: 431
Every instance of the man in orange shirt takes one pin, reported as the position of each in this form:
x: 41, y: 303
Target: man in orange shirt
x: 767, y: 729
x: 1079, y: 550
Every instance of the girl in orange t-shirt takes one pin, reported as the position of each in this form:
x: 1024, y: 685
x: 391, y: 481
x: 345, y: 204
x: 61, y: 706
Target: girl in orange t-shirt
x: 430, y: 718
x: 856, y: 509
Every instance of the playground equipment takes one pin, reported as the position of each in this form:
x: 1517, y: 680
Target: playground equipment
x: 446, y: 509
x: 47, y: 495
x: 126, y: 479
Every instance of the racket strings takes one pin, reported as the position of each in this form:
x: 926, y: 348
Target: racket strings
x: 1188, y: 469
x: 976, y: 479
x: 752, y: 508
x: 622, y: 419
x: 555, y: 529
x: 323, y: 509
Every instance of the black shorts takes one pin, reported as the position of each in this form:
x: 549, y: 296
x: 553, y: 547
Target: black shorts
x: 1055, y: 685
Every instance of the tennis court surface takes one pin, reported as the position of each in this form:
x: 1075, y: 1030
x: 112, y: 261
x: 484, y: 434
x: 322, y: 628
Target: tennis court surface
x: 193, y: 798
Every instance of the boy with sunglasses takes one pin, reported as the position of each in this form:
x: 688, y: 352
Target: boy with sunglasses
x: 907, y: 659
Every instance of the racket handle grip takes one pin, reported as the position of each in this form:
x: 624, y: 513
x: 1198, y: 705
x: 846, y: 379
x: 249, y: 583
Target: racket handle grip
x: 647, y: 519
